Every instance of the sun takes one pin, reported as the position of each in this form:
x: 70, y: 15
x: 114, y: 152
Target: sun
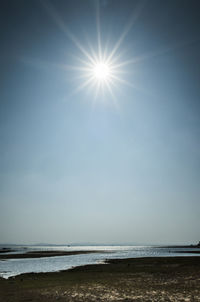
x: 102, y: 71
x: 100, y: 64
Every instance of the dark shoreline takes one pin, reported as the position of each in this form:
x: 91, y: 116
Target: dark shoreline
x: 192, y: 246
x: 6, y: 250
x: 186, y: 252
x: 134, y: 279
x: 40, y: 254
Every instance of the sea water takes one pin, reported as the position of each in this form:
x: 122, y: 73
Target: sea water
x: 13, y: 267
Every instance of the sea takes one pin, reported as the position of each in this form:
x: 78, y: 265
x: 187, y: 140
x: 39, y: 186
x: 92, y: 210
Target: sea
x: 13, y: 267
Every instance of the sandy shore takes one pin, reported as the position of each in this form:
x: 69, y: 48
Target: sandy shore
x: 40, y: 254
x: 142, y: 279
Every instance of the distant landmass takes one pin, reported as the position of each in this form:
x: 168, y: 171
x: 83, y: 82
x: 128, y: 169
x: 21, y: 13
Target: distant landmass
x: 101, y: 244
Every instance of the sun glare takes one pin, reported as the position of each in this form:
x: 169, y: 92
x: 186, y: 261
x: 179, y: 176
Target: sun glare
x: 101, y: 71
x: 99, y: 65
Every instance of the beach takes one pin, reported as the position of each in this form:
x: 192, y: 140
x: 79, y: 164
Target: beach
x: 141, y: 279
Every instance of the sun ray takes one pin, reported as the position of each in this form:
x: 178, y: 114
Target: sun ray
x: 97, y: 90
x: 134, y: 86
x: 112, y: 96
x: 71, y: 67
x: 50, y: 9
x: 93, y: 53
x: 133, y: 19
x: 122, y: 81
x: 40, y: 63
x: 81, y: 60
x: 82, y: 86
x: 98, y: 29
x: 155, y: 53
x: 82, y: 76
x: 102, y: 69
x: 115, y: 59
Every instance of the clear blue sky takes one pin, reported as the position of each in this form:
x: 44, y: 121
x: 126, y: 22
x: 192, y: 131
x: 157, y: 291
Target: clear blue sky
x: 72, y: 170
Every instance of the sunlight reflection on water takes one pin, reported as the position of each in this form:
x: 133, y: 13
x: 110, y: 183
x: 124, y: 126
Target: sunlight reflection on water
x: 13, y: 267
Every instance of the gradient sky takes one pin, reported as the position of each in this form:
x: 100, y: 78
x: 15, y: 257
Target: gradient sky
x: 78, y: 169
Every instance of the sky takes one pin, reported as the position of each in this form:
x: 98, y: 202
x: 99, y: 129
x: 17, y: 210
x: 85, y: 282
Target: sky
x: 112, y: 161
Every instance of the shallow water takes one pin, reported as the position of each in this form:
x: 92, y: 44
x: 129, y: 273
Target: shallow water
x: 13, y: 267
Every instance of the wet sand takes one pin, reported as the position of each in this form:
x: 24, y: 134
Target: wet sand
x: 142, y: 279
x: 40, y: 254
